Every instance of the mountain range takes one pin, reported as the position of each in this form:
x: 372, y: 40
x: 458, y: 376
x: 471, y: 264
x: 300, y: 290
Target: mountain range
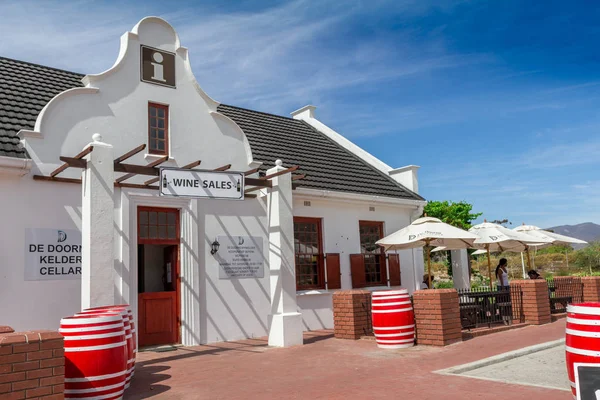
x: 587, y: 231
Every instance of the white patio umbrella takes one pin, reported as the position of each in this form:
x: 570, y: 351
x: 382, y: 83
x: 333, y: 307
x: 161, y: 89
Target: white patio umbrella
x: 554, y: 238
x: 428, y: 231
x: 494, y: 237
x: 550, y: 237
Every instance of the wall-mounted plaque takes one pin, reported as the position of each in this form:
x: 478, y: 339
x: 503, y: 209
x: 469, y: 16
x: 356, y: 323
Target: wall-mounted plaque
x: 157, y: 66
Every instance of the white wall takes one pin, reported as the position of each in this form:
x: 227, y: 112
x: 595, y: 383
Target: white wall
x: 28, y: 204
x: 340, y: 224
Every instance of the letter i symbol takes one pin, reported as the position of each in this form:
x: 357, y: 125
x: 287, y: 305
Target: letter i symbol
x: 165, y: 181
x: 158, y: 67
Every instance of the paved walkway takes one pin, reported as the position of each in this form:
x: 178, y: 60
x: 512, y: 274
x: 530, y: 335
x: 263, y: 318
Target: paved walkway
x: 329, y: 368
x: 546, y: 368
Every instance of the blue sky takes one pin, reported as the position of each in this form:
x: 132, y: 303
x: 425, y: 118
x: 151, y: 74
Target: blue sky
x: 498, y: 102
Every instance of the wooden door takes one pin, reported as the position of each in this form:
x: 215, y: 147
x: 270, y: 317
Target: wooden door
x: 158, y: 276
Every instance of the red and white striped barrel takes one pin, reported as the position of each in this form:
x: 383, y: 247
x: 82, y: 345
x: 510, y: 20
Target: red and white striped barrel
x: 125, y: 313
x: 393, y: 319
x: 95, y: 356
x: 582, y: 337
x: 133, y: 339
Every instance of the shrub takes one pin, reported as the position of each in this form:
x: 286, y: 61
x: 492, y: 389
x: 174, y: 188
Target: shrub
x: 444, y: 285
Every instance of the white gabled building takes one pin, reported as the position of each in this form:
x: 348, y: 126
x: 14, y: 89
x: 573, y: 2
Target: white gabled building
x: 161, y: 246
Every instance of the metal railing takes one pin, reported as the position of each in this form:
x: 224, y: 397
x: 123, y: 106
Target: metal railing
x: 564, y: 291
x: 484, y: 307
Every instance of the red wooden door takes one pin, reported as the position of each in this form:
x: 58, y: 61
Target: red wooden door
x: 158, y: 272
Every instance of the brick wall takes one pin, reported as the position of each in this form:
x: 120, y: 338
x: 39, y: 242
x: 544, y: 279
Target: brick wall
x: 352, y: 314
x: 591, y: 288
x: 32, y: 365
x: 437, y: 317
x: 536, y: 303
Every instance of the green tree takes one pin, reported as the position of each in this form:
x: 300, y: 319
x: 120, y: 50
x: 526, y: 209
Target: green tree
x: 589, y: 257
x: 456, y: 214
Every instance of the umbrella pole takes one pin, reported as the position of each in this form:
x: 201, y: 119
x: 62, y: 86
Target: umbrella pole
x: 428, y: 265
x: 489, y: 265
x: 528, y: 258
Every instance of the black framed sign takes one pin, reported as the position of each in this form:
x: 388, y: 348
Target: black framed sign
x: 157, y: 66
x: 587, y: 381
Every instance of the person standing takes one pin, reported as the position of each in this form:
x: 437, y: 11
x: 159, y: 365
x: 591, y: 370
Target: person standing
x: 502, y: 274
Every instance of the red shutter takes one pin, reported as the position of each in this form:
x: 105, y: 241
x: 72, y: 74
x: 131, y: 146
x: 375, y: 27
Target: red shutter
x: 394, y: 264
x: 332, y: 263
x: 357, y: 269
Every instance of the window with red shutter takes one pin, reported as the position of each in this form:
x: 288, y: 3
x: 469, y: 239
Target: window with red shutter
x: 374, y: 257
x: 308, y: 249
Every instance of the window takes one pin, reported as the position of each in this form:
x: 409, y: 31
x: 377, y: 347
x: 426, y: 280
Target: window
x: 308, y: 249
x: 374, y: 257
x: 158, y: 129
x: 158, y: 225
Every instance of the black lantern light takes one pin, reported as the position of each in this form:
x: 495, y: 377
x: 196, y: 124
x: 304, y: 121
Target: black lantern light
x: 214, y: 247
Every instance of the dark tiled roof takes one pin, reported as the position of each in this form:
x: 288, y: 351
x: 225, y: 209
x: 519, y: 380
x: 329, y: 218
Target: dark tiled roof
x: 25, y: 89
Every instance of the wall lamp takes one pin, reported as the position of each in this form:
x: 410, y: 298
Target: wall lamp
x: 214, y: 247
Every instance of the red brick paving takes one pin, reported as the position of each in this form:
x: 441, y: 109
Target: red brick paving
x: 329, y: 368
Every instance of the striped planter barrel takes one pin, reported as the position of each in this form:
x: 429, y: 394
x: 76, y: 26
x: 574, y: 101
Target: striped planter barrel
x: 393, y: 319
x: 133, y: 339
x: 582, y: 337
x: 126, y: 314
x: 95, y: 356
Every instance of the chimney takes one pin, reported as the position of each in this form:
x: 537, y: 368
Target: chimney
x: 407, y: 177
x: 305, y: 112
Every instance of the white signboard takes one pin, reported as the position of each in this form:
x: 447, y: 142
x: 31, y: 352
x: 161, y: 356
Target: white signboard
x: 240, y: 257
x: 205, y: 184
x: 52, y: 254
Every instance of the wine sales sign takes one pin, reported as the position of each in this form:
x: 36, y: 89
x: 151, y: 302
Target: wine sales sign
x: 201, y: 184
x: 52, y: 254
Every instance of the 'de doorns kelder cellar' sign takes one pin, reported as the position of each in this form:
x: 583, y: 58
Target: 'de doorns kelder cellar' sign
x: 52, y: 254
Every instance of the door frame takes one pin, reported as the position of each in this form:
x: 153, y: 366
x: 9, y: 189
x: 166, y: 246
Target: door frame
x: 171, y: 242
x: 190, y: 263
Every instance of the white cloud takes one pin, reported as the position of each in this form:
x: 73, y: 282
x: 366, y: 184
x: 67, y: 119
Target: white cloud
x: 274, y: 59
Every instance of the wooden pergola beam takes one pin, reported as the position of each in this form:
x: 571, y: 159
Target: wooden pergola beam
x: 223, y: 168
x: 298, y: 177
x: 285, y: 171
x: 55, y: 179
x: 136, y: 169
x: 188, y: 166
x: 146, y: 168
x: 135, y: 186
x: 117, y: 184
x: 66, y: 165
x: 252, y: 171
x: 257, y: 182
x: 130, y: 153
x: 74, y: 162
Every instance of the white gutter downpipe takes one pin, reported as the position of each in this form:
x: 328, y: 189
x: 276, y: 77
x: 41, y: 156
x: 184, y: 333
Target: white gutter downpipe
x: 15, y: 166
